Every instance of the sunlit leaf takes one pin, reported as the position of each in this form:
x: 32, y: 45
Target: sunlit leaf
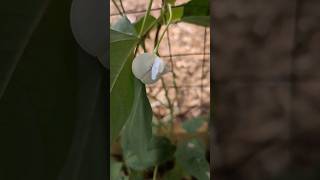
x: 149, y: 24
x: 177, y: 13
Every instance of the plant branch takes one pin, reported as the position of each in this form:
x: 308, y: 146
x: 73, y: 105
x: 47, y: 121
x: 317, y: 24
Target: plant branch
x: 174, y: 76
x: 155, y: 172
x: 145, y: 17
x: 170, y: 107
x: 157, y: 36
x: 167, y: 26
x: 202, y: 67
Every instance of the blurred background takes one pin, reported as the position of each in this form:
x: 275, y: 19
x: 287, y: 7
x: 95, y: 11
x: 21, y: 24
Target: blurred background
x: 185, y: 91
x: 266, y: 95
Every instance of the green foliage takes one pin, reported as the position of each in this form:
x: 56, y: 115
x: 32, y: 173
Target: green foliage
x: 194, y: 12
x: 158, y: 151
x: 115, y: 170
x: 122, y: 45
x: 192, y: 125
x: 177, y: 14
x: 176, y: 173
x: 138, y: 130
x: 149, y: 24
x: 197, y: 12
x: 131, y: 113
x: 190, y: 156
x: 135, y: 175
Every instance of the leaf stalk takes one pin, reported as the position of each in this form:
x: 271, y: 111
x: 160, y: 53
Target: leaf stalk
x: 145, y: 17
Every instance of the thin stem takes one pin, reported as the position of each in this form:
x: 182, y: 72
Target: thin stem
x: 172, y: 71
x: 168, y: 131
x: 202, y: 67
x: 167, y: 26
x: 142, y: 11
x: 170, y: 107
x: 155, y: 172
x: 145, y: 17
x: 157, y: 42
x: 143, y: 45
x: 157, y: 36
x: 117, y: 7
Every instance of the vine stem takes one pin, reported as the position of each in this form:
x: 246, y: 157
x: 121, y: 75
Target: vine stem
x: 155, y: 172
x: 171, y: 131
x: 145, y: 17
x: 117, y: 7
x: 167, y: 26
x: 155, y: 51
x: 173, y: 72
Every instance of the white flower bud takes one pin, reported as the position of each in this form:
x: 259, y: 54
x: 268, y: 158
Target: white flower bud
x: 148, y: 68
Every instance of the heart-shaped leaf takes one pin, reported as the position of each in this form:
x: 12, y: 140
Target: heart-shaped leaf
x: 138, y: 129
x: 122, y: 45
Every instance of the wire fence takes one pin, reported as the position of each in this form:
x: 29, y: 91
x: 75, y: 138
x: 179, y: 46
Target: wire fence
x: 185, y: 48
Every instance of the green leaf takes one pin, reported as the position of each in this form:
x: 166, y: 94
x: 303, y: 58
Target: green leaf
x: 119, y: 37
x: 149, y: 24
x: 159, y: 150
x: 192, y: 125
x: 176, y: 173
x: 115, y: 170
x: 177, y: 13
x: 136, y: 175
x: 124, y: 25
x: 190, y: 156
x: 196, y: 12
x: 138, y: 129
x: 198, y: 20
x: 122, y: 45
